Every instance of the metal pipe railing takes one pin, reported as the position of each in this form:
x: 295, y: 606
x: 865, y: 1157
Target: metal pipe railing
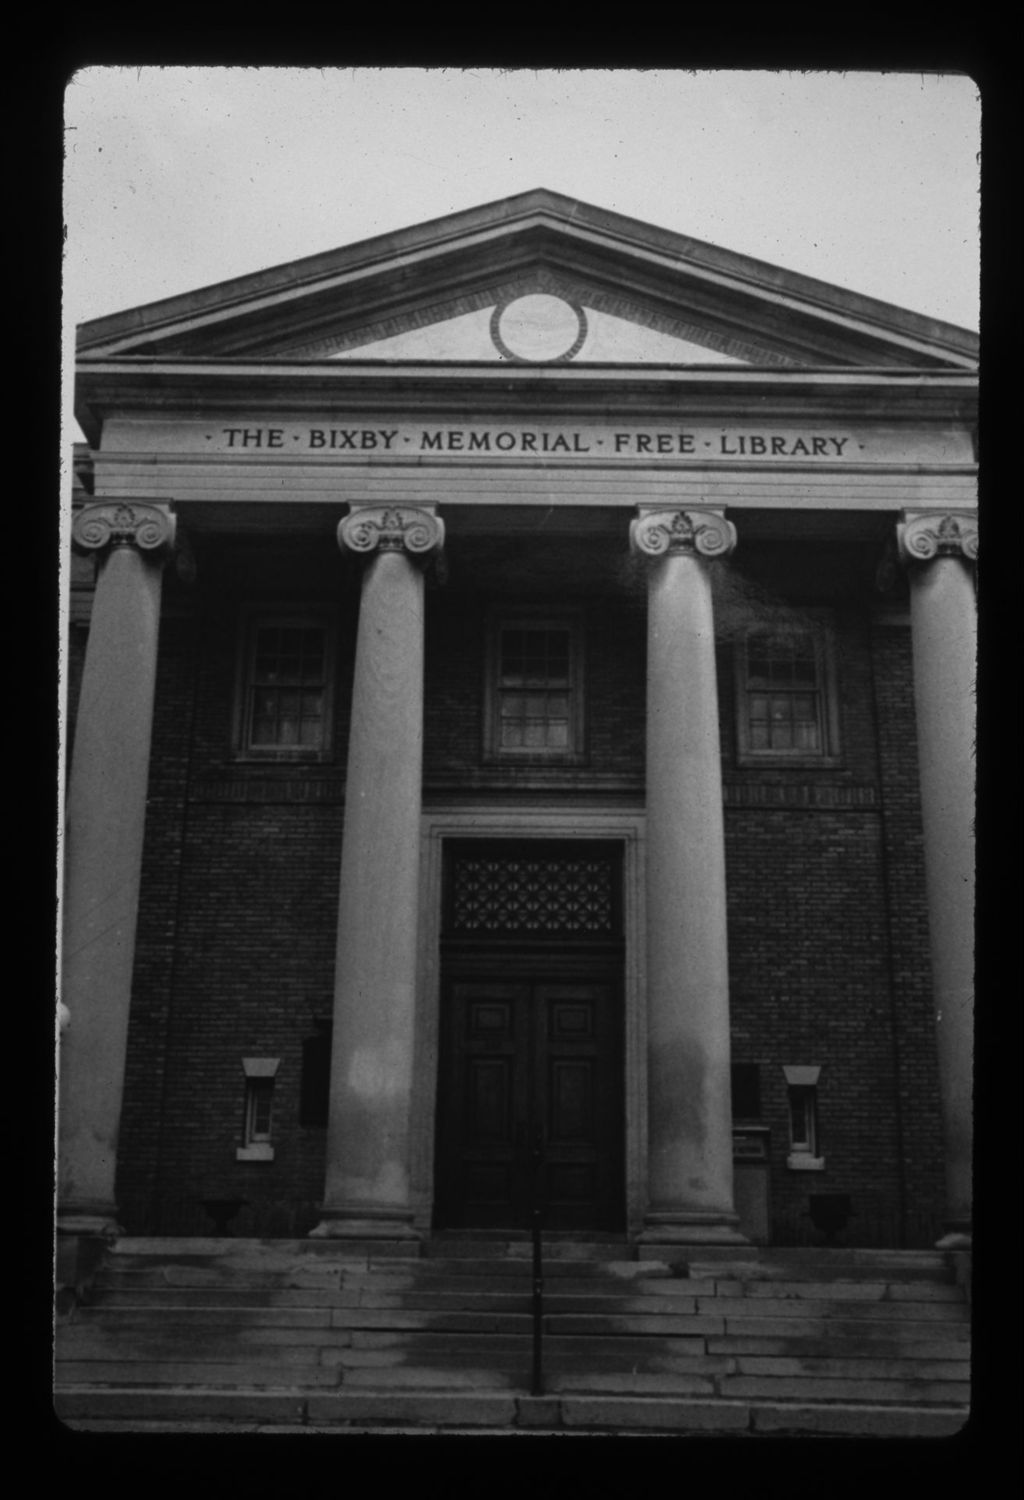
x: 536, y: 1219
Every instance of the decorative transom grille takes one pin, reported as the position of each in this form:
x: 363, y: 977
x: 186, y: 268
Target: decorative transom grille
x: 518, y: 894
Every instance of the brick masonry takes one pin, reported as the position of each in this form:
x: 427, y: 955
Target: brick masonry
x: 235, y: 953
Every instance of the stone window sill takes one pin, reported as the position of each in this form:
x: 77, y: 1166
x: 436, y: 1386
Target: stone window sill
x: 800, y: 1162
x: 260, y: 1151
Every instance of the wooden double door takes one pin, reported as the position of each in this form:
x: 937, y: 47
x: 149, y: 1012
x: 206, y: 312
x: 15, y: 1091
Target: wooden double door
x: 531, y: 1098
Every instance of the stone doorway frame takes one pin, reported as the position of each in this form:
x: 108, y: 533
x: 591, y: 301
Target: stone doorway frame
x: 491, y: 823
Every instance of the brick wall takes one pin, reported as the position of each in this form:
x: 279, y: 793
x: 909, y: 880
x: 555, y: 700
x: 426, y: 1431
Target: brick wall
x: 828, y: 952
x: 902, y: 874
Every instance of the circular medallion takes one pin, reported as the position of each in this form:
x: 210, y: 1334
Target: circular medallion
x: 538, y: 328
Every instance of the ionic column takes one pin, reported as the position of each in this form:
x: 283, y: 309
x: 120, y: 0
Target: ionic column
x: 367, y: 1190
x: 940, y: 550
x: 689, y: 1108
x: 106, y: 811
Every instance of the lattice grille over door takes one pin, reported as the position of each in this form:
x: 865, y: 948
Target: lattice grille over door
x: 530, y: 890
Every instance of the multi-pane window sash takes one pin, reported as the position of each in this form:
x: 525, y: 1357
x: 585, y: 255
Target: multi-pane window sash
x: 787, y: 700
x: 535, y: 710
x: 287, y: 687
x: 802, y: 1120
x: 784, y: 693
x: 259, y: 1099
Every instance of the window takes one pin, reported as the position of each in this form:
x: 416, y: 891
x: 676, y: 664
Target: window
x: 285, y: 699
x: 746, y: 1091
x: 804, y: 1145
x: 315, y: 1082
x: 787, y: 710
x: 535, y: 689
x: 259, y: 1099
x: 259, y: 1073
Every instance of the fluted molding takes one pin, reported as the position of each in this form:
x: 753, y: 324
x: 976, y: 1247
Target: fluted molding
x: 703, y: 532
x: 392, y: 529
x: 925, y: 535
x: 150, y: 528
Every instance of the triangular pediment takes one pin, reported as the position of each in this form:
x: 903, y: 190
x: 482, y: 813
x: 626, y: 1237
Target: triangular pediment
x: 539, y: 317
x: 538, y: 278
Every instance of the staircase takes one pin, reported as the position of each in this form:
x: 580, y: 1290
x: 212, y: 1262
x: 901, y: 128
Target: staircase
x: 229, y: 1335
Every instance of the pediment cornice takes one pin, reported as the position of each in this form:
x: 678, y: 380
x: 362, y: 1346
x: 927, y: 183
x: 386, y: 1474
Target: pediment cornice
x: 729, y: 303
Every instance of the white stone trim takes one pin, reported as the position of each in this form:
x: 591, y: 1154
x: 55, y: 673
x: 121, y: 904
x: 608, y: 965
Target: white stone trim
x: 258, y: 1151
x: 802, y: 1077
x: 502, y: 822
x: 260, y: 1067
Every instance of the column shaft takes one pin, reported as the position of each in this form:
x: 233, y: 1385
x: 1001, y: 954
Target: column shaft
x: 944, y: 630
x: 105, y: 823
x: 367, y: 1188
x: 689, y: 1104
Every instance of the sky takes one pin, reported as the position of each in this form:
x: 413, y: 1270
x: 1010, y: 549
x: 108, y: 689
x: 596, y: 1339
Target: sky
x: 177, y: 178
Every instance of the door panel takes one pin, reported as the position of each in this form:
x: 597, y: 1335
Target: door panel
x: 520, y: 1060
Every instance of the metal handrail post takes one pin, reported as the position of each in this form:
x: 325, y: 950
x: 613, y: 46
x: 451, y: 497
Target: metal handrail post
x: 537, y: 1375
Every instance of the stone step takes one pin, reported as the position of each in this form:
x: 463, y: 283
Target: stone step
x: 443, y: 1247
x: 520, y: 1359
x: 198, y: 1249
x: 845, y: 1380
x: 823, y: 1345
x: 140, y: 1318
x: 236, y: 1373
x: 436, y: 1378
x: 114, y: 1317
x: 326, y: 1272
x: 298, y: 1335
x: 96, y: 1348
x: 863, y: 1331
x: 83, y: 1360
x: 887, y: 1301
x: 822, y: 1260
x: 123, y: 1339
x: 261, y: 1266
x: 831, y: 1291
x: 487, y: 1411
x: 181, y: 1283
x: 857, y: 1367
x: 817, y: 1388
x: 555, y: 1345
x: 672, y: 1297
x: 633, y: 1316
x: 729, y: 1387
x: 97, y: 1343
x: 309, y: 1368
x: 867, y: 1311
x: 778, y: 1266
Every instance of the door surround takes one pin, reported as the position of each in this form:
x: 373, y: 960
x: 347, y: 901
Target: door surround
x: 572, y: 826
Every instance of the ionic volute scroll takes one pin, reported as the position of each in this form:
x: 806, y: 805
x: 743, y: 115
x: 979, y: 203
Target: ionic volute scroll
x: 393, y: 528
x: 123, y: 523
x: 924, y: 535
x: 705, y: 533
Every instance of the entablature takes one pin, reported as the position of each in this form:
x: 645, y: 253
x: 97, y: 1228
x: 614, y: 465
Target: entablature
x: 108, y: 387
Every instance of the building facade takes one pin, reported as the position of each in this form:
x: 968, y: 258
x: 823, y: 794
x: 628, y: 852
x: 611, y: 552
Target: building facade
x: 520, y: 702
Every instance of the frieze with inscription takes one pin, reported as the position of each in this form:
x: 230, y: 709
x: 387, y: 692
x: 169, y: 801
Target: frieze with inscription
x: 341, y: 438
x: 569, y: 442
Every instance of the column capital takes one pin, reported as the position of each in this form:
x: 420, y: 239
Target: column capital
x: 391, y: 528
x: 926, y: 534
x: 704, y: 532
x: 123, y: 523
